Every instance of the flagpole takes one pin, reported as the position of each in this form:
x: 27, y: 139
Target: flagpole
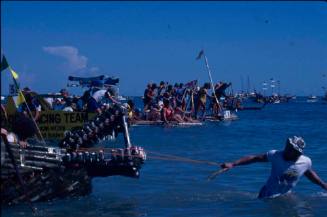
x: 28, y: 108
x: 210, y: 78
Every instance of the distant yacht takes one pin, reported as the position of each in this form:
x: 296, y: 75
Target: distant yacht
x: 121, y: 98
x: 312, y: 98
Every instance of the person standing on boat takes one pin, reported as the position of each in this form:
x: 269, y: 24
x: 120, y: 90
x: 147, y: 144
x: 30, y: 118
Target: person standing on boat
x: 220, y: 89
x: 287, y: 166
x: 148, y: 96
x: 65, y: 97
x: 32, y: 105
x: 94, y: 102
x: 202, y: 100
x: 161, y: 91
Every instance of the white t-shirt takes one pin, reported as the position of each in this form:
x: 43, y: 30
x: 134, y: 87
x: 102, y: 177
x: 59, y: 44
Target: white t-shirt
x: 284, y: 174
x: 98, y: 95
x: 68, y: 109
x: 49, y: 100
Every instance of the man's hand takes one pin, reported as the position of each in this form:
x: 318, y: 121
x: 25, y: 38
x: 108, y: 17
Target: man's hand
x: 22, y: 144
x: 4, y: 132
x: 227, y: 165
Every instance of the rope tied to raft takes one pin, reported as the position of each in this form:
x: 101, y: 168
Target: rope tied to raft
x: 160, y: 156
x: 169, y: 157
x: 188, y: 160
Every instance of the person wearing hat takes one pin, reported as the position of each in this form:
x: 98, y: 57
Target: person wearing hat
x: 94, y: 102
x: 31, y: 106
x: 287, y: 166
x: 161, y: 90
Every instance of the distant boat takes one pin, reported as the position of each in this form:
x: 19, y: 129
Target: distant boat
x: 312, y: 98
x: 277, y: 101
x: 121, y: 98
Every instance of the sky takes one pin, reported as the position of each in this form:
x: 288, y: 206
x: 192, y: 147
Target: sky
x: 141, y: 42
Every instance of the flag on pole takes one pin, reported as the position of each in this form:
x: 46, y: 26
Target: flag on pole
x: 200, y: 55
x: 4, y: 64
x: 20, y: 99
x: 14, y: 74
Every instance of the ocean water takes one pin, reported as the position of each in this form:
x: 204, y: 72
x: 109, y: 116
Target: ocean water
x: 172, y: 188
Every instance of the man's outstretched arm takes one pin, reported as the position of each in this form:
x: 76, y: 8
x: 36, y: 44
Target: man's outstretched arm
x: 246, y: 160
x: 313, y: 177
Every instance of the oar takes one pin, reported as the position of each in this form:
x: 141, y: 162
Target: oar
x: 216, y: 173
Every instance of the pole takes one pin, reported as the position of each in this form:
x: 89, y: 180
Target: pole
x: 242, y: 85
x: 126, y: 133
x: 248, y: 85
x: 28, y: 109
x: 210, y: 78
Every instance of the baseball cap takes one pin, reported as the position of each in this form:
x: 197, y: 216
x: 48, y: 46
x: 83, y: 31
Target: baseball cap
x: 297, y: 143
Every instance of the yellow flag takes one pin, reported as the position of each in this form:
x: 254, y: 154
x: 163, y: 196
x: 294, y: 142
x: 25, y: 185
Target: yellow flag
x: 14, y: 74
x: 20, y: 98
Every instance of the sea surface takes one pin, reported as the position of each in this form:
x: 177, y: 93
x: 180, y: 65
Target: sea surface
x: 173, y: 188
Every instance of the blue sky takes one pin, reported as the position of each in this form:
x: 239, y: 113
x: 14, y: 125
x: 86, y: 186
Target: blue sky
x: 153, y: 41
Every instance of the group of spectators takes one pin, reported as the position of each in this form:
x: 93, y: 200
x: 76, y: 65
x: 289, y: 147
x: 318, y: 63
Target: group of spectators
x: 179, y: 102
x: 91, y: 101
x: 28, y: 112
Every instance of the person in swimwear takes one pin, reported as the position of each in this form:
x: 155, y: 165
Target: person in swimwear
x: 168, y: 113
x: 202, y: 100
x: 149, y: 95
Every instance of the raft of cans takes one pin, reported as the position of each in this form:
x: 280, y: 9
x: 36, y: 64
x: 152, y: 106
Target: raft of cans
x: 106, y: 125
x: 118, y: 155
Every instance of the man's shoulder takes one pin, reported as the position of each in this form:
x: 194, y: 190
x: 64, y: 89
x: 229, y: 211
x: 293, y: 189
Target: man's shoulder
x: 273, y: 154
x: 306, y: 159
x: 98, y: 92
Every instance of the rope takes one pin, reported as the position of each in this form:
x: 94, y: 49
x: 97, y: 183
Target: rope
x: 184, y: 159
x: 160, y: 156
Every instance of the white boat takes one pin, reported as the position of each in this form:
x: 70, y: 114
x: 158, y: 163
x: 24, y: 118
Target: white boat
x: 276, y: 101
x: 312, y: 98
x: 121, y: 98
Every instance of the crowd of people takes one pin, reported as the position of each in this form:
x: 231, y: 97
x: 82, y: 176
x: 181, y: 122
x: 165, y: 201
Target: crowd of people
x: 29, y: 108
x: 164, y: 102
x: 180, y: 102
x: 92, y: 100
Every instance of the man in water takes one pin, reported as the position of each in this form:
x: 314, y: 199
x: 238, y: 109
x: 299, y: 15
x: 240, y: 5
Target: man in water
x: 287, y: 168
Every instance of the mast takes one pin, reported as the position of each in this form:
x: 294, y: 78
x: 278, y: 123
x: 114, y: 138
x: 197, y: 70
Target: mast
x: 272, y: 85
x: 248, y: 84
x: 242, y: 86
x: 264, y: 88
